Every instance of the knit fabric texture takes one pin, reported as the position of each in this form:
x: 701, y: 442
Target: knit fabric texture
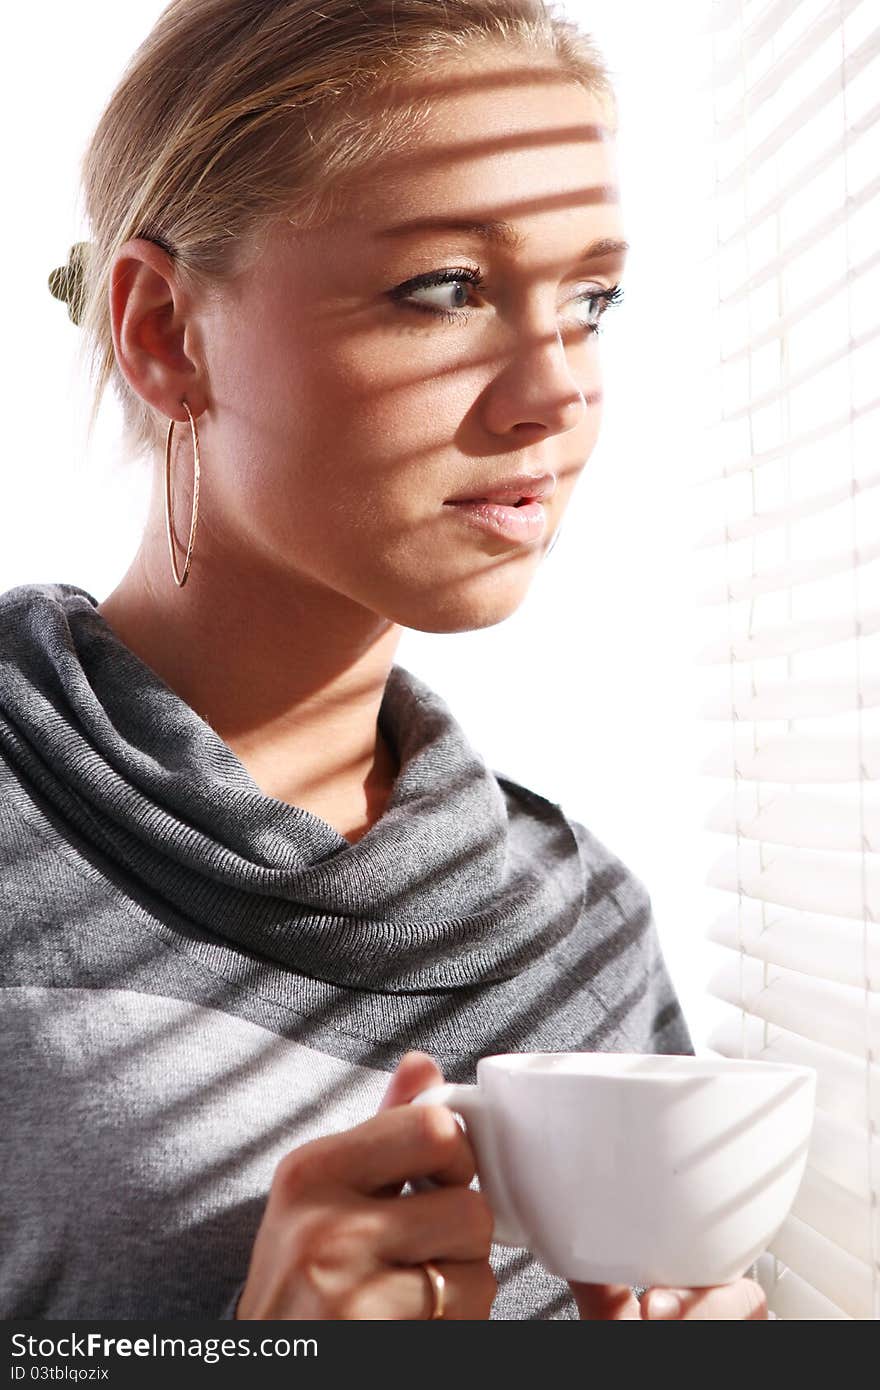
x: 198, y: 977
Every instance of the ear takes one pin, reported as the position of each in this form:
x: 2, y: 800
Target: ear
x: 153, y: 324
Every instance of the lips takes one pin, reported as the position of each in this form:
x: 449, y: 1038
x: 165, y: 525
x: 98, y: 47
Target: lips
x: 503, y: 499
x: 511, y: 492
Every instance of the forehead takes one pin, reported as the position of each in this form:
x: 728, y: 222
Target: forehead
x: 516, y: 143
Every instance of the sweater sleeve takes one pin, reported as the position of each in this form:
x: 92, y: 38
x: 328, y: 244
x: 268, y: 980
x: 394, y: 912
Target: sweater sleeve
x: 666, y: 1029
x: 629, y: 970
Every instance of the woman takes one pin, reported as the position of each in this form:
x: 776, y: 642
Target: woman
x: 259, y: 885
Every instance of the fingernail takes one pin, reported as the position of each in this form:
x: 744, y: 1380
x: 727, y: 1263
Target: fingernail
x: 663, y: 1304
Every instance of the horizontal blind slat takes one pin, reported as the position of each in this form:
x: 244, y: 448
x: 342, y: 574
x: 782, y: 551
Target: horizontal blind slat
x: 841, y: 885
x: 825, y: 159
x: 846, y: 1085
x: 792, y: 1299
x: 831, y: 1014
x: 818, y: 370
x: 794, y: 699
x: 823, y: 229
x: 752, y: 36
x: 745, y: 527
x: 841, y: 1153
x: 788, y: 62
x: 786, y: 639
x: 840, y: 1276
x: 831, y: 948
x: 804, y: 820
x: 795, y: 758
x: 835, y: 1213
x: 804, y: 571
x: 821, y: 95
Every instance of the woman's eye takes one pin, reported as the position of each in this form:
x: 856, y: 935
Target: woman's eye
x: 596, y: 303
x: 443, y: 297
x: 443, y: 292
x: 446, y: 293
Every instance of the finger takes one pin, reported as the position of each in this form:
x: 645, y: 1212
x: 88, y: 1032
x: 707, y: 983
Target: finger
x: 407, y: 1141
x: 408, y: 1294
x: 742, y: 1300
x: 450, y: 1223
x: 416, y: 1071
x: 615, y: 1302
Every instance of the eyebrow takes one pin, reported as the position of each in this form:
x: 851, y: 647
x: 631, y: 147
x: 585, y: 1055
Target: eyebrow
x: 497, y: 233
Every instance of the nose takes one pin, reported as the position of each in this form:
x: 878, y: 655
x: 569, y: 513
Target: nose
x: 537, y: 390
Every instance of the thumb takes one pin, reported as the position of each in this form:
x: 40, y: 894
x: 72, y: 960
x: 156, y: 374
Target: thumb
x: 606, y: 1302
x: 416, y: 1071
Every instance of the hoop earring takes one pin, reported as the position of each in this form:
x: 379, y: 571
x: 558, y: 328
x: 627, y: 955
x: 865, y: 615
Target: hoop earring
x: 195, y: 512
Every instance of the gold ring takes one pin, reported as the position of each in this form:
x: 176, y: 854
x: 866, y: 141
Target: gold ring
x: 438, y: 1289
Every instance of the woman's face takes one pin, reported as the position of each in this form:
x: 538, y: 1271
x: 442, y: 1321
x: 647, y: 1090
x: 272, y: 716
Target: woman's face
x: 347, y: 402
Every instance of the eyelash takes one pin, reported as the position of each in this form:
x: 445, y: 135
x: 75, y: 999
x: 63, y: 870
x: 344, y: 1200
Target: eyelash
x: 475, y: 278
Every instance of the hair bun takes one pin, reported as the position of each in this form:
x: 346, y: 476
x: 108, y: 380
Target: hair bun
x: 67, y: 282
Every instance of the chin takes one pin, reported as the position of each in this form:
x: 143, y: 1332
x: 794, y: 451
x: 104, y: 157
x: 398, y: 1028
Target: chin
x: 466, y: 607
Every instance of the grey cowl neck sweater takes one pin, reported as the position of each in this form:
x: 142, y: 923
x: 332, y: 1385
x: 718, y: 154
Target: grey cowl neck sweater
x: 465, y: 879
x: 197, y: 977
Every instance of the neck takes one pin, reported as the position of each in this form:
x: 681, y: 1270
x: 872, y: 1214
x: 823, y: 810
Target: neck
x: 290, y: 674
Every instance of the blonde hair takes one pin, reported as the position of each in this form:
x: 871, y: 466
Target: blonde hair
x: 234, y: 113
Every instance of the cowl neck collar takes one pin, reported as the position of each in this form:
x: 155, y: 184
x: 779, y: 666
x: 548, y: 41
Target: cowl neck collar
x: 466, y: 877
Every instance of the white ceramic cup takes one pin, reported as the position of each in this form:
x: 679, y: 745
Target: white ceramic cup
x: 637, y: 1169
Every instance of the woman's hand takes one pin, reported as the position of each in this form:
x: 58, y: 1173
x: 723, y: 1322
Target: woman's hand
x: 337, y: 1240
x: 744, y: 1299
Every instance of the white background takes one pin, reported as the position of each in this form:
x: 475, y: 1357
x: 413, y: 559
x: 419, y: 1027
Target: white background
x: 589, y: 692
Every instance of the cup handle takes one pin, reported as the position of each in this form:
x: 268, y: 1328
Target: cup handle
x: 468, y: 1102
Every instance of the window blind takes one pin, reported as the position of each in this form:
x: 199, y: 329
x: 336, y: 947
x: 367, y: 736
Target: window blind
x: 788, y: 558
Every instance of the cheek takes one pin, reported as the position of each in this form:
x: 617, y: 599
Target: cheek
x: 386, y: 424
